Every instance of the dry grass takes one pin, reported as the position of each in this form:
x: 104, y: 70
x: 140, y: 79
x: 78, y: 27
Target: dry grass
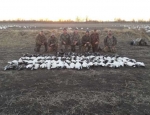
x: 98, y: 91
x: 24, y: 38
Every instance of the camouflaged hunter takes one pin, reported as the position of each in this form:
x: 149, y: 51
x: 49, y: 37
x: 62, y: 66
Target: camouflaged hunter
x: 52, y: 43
x: 40, y: 40
x: 75, y: 41
x: 110, y: 43
x: 94, y: 41
x: 65, y: 41
x: 86, y: 42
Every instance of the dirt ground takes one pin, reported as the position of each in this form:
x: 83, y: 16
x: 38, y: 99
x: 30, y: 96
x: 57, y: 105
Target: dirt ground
x: 98, y: 91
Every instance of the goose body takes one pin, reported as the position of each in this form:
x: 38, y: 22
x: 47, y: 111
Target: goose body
x: 85, y: 65
x: 78, y: 65
x: 43, y: 65
x: 101, y: 64
x: 130, y: 64
x: 14, y: 62
x: 140, y: 64
x: 10, y: 67
x: 36, y: 66
x: 66, y: 65
x: 29, y: 66
x: 20, y: 61
x: 21, y: 67
x: 60, y: 64
x: 72, y: 65
x: 48, y: 65
x: 54, y: 65
x: 90, y: 64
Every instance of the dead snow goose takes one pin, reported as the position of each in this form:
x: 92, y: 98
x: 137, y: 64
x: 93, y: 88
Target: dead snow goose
x: 35, y: 66
x: 72, y: 65
x: 78, y: 65
x: 48, y: 64
x: 140, y: 64
x: 29, y: 66
x: 85, y: 65
x: 14, y: 62
x: 43, y: 65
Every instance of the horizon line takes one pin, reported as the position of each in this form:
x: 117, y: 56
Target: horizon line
x: 42, y: 20
x: 78, y: 19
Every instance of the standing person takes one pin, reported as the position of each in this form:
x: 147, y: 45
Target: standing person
x: 86, y: 42
x: 40, y: 40
x: 75, y: 40
x: 94, y: 41
x: 52, y: 43
x: 65, y: 41
x: 110, y: 43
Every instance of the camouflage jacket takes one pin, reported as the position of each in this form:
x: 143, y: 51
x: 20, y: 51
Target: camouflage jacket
x: 65, y: 38
x: 86, y: 39
x: 94, y: 38
x: 75, y: 38
x: 40, y: 39
x: 52, y: 40
x: 110, y: 41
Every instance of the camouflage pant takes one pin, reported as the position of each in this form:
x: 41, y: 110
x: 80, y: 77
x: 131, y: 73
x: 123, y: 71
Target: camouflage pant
x: 65, y: 48
x: 109, y: 49
x: 38, y: 46
x: 52, y: 48
x: 75, y: 47
x: 86, y: 48
x: 95, y: 48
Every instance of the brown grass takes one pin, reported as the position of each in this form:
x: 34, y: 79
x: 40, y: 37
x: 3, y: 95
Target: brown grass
x: 98, y: 91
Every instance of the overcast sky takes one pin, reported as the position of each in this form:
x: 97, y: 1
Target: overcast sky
x: 70, y: 9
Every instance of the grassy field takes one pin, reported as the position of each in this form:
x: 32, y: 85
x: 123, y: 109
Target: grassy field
x: 98, y: 91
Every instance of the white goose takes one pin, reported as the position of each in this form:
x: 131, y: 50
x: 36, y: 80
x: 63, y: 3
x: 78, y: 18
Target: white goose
x: 29, y: 66
x: 43, y: 65
x: 14, y: 62
x: 140, y: 64
x: 85, y: 65
x: 66, y: 65
x: 48, y: 64
x: 72, y: 65
x: 35, y: 67
x: 130, y: 64
x: 20, y: 61
x: 60, y: 64
x: 78, y: 65
x: 90, y: 64
x: 53, y: 64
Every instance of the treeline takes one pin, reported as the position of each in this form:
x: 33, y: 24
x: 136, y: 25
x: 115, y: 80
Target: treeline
x: 72, y: 21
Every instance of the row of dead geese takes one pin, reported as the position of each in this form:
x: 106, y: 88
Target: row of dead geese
x: 70, y: 61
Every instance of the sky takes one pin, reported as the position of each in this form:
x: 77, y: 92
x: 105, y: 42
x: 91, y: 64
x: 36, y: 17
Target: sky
x: 106, y: 10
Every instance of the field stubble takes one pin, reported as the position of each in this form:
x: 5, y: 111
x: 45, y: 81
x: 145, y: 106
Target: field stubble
x: 99, y: 91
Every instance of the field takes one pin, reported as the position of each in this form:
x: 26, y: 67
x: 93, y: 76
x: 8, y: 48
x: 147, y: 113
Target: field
x: 98, y: 91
